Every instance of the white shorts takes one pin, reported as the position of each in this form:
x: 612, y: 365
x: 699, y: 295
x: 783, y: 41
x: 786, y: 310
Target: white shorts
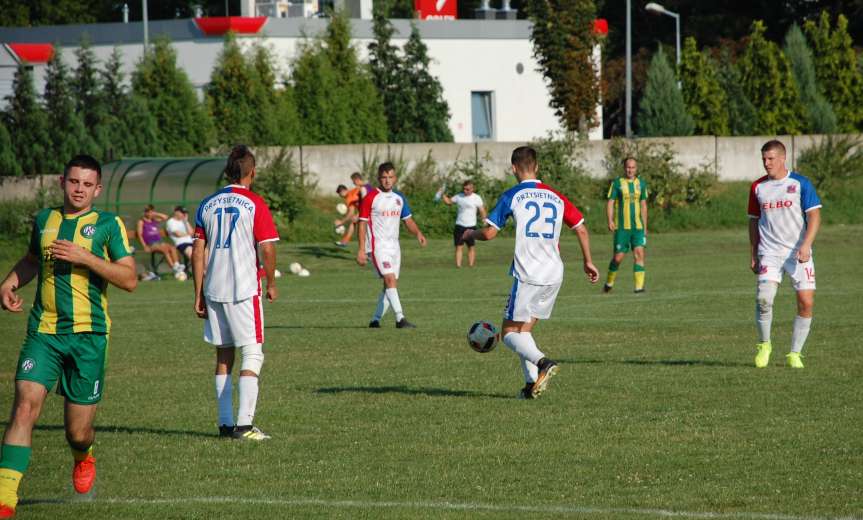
x: 386, y: 261
x: 802, y: 274
x: 527, y: 301
x: 234, y: 324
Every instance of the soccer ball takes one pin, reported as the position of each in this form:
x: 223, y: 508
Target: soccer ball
x: 341, y: 208
x: 295, y: 268
x: 181, y: 276
x: 340, y: 230
x: 482, y: 336
x: 304, y: 273
x: 277, y: 273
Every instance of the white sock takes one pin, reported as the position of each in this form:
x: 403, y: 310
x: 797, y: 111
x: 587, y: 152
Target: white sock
x: 248, y: 400
x: 531, y: 371
x: 395, y: 303
x: 225, y: 399
x: 383, y: 306
x: 763, y: 319
x: 522, y: 344
x: 177, y: 266
x: 800, y: 333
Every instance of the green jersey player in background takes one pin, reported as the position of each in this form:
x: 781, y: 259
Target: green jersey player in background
x: 76, y: 252
x: 627, y: 219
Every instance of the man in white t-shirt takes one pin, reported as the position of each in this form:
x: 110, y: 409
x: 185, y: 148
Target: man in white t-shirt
x: 784, y: 217
x: 180, y: 231
x: 468, y: 203
x: 540, y: 214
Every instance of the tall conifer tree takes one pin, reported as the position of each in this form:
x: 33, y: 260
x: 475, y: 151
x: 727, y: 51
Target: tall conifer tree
x: 704, y: 97
x: 68, y: 135
x: 432, y: 111
x: 662, y: 111
x: 820, y: 118
x: 27, y: 123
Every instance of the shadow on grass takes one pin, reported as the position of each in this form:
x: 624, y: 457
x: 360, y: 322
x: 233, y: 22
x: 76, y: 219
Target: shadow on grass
x: 431, y: 392
x: 325, y: 252
x: 127, y: 429
x: 654, y: 362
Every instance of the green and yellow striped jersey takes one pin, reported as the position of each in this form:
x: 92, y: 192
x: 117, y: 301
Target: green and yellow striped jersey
x: 71, y: 299
x: 627, y: 195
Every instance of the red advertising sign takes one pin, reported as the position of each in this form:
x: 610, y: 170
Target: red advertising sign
x: 436, y: 9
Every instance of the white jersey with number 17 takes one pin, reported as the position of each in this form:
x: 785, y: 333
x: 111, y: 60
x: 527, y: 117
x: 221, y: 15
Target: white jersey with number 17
x: 232, y: 222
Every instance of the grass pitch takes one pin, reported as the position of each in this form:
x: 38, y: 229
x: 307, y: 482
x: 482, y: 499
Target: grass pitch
x: 657, y: 410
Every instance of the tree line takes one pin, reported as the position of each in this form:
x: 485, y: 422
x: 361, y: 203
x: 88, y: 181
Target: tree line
x: 330, y: 96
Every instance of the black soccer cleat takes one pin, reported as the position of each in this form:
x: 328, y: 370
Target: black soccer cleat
x: 405, y: 324
x: 374, y: 324
x: 526, y: 392
x: 638, y: 291
x: 547, y: 370
x: 607, y: 288
x: 226, y: 431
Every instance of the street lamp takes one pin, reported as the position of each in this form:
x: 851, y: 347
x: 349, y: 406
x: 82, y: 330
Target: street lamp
x: 653, y: 7
x: 628, y: 69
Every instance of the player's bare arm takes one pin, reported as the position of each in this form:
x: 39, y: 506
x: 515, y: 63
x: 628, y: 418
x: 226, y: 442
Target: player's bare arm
x: 754, y: 239
x: 644, y: 215
x: 120, y: 273
x: 268, y: 257
x: 483, y: 214
x: 584, y: 241
x: 446, y: 199
x: 483, y: 235
x: 199, y: 252
x: 140, y: 235
x: 20, y: 275
x: 415, y: 231
x: 361, y: 239
x: 813, y: 223
x: 609, y: 212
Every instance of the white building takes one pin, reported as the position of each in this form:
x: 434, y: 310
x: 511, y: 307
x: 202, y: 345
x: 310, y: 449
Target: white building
x: 489, y: 76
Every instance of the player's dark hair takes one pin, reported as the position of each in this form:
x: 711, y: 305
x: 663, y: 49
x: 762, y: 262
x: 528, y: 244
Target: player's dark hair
x: 149, y: 207
x: 341, y: 187
x: 241, y: 162
x: 773, y: 144
x: 467, y: 183
x: 85, y: 162
x: 386, y: 167
x: 181, y: 209
x: 524, y: 158
x: 356, y: 175
x: 627, y: 159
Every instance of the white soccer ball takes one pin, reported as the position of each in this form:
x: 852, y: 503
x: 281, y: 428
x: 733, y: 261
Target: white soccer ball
x: 341, y: 208
x: 277, y: 273
x: 482, y: 336
x: 340, y: 230
x: 295, y: 268
x: 181, y: 276
x: 304, y: 273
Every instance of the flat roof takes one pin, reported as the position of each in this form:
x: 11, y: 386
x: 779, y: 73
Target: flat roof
x: 186, y: 29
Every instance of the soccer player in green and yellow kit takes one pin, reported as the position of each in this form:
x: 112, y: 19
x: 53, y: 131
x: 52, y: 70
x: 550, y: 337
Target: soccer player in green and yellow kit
x: 76, y: 252
x: 628, y: 221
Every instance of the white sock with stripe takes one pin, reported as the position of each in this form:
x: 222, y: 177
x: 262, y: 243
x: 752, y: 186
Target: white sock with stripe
x: 382, y: 308
x: 800, y: 333
x: 393, y: 296
x: 248, y: 400
x: 522, y: 344
x: 225, y: 399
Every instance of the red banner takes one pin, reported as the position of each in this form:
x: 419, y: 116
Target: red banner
x: 436, y: 9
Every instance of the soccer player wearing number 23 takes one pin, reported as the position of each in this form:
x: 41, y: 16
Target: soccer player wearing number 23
x: 540, y: 213
x: 230, y: 226
x: 784, y: 217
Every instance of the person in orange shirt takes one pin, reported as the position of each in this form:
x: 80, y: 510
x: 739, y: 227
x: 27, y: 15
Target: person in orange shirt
x: 353, y: 198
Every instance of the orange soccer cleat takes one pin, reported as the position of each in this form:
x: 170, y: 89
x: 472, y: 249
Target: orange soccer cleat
x: 84, y: 475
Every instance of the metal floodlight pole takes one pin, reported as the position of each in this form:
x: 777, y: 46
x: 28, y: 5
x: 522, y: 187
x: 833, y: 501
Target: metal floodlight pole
x: 146, y: 27
x: 653, y: 7
x: 628, y: 68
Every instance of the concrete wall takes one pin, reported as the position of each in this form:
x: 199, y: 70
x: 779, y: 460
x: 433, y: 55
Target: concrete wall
x: 732, y: 158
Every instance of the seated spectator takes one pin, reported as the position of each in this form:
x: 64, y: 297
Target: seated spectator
x: 180, y: 231
x: 150, y: 236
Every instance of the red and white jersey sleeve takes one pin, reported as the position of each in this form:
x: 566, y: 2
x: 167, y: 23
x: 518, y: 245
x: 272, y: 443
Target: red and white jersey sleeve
x: 540, y: 213
x: 780, y: 206
x: 384, y: 211
x: 233, y: 221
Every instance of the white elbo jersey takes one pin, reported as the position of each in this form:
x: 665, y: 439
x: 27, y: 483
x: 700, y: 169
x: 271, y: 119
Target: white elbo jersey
x: 384, y: 211
x: 540, y: 213
x: 233, y: 221
x: 467, y: 206
x: 780, y: 206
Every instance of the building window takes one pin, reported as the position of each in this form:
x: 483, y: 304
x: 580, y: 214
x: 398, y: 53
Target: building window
x: 482, y: 115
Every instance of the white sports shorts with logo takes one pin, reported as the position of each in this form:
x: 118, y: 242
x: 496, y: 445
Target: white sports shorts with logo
x: 802, y: 274
x: 387, y: 260
x: 527, y: 301
x: 234, y: 324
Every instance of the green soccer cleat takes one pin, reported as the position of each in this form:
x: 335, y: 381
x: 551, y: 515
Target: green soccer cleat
x: 250, y: 433
x: 794, y: 359
x: 763, y: 357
